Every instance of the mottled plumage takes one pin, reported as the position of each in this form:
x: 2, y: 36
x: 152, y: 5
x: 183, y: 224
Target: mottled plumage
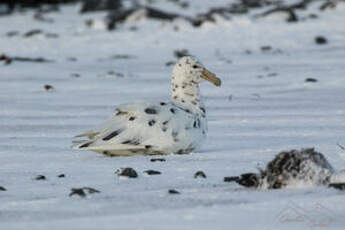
x: 290, y: 169
x: 177, y: 126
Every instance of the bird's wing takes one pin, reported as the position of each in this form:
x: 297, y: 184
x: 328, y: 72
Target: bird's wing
x: 136, y: 127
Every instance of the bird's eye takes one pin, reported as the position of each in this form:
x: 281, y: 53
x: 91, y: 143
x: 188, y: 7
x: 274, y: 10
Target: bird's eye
x: 195, y: 66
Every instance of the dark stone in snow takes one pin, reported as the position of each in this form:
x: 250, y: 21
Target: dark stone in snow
x: 157, y: 159
x: 32, y: 33
x: 320, y: 40
x: 2, y: 188
x: 310, y: 80
x: 199, y: 174
x: 12, y: 33
x: 266, y: 48
x: 173, y: 191
x: 98, y: 5
x: 8, y: 59
x: 152, y: 172
x: 340, y: 186
x: 231, y: 179
x: 82, y: 192
x: 127, y: 172
x: 119, y: 15
x: 48, y: 87
x: 61, y: 175
x: 40, y: 177
x: 77, y: 191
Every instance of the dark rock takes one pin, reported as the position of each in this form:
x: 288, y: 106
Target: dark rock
x: 48, y: 88
x: 290, y: 11
x: 320, y: 40
x: 328, y: 5
x: 99, y: 5
x: 127, y: 172
x: 89, y: 22
x: 75, y: 75
x: 40, y: 17
x: 32, y: 33
x: 8, y: 59
x: 72, y: 59
x: 77, y: 191
x: 313, y: 16
x: 123, y: 56
x: 82, y: 192
x: 253, y: 3
x: 61, y: 175
x: 157, y: 159
x: 231, y: 179
x: 199, y: 174
x: 12, y: 33
x: 2, y: 188
x: 152, y: 172
x: 40, y: 177
x: 272, y: 75
x: 173, y: 191
x: 44, y: 6
x: 310, y: 80
x: 120, y: 15
x: 266, y: 48
x: 339, y: 186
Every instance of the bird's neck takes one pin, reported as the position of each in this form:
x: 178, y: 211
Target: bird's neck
x: 187, y: 96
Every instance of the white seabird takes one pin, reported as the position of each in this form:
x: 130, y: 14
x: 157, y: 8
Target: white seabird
x: 177, y: 126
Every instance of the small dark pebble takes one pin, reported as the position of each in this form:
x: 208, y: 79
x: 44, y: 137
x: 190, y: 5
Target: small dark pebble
x: 310, y: 80
x: 2, y: 188
x: 12, y: 33
x: 157, y: 159
x: 52, y: 35
x: 152, y: 172
x: 266, y: 48
x: 173, y: 191
x: 127, y: 172
x: 73, y: 59
x: 77, y: 191
x: 75, y: 75
x: 313, y: 16
x: 48, y: 87
x: 83, y: 191
x: 32, y: 33
x: 150, y: 111
x: 40, y: 177
x: 230, y: 179
x: 61, y: 175
x: 89, y: 22
x: 320, y: 40
x: 199, y: 174
x: 272, y: 75
x: 340, y: 186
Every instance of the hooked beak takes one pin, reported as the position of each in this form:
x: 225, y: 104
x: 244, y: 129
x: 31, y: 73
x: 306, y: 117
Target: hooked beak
x: 211, y: 77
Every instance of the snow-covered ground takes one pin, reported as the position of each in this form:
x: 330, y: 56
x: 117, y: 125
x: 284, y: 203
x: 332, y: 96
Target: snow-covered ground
x: 264, y: 106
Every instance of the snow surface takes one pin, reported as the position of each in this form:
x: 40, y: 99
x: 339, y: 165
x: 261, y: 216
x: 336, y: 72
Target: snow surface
x: 253, y: 116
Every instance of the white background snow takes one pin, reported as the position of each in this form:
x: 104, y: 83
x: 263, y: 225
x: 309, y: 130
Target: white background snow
x: 253, y: 116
